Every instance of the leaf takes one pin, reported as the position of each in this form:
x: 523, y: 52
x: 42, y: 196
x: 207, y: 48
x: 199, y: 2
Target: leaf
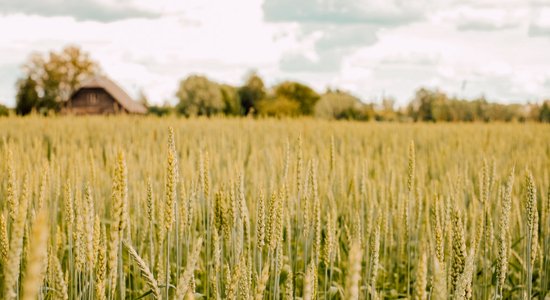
x: 332, y: 291
x: 144, y: 295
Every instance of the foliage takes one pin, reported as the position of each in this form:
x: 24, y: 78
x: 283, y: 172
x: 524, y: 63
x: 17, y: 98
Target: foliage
x: 435, y: 106
x: 340, y: 105
x: 199, y: 96
x: 49, y: 80
x: 231, y: 100
x: 426, y: 106
x: 4, y: 111
x: 387, y: 111
x: 27, y: 97
x: 251, y: 93
x: 303, y: 95
x: 544, y: 115
x: 159, y: 110
x: 279, y: 107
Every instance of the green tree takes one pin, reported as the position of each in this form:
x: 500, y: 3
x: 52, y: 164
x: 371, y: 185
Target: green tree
x: 386, y: 111
x: 27, y: 96
x: 199, y: 96
x: 49, y: 80
x: 428, y: 106
x: 160, y: 110
x: 231, y: 100
x: 251, y: 93
x: 437, y: 107
x: 339, y: 105
x: 544, y: 115
x: 4, y: 111
x: 279, y: 107
x: 299, y: 93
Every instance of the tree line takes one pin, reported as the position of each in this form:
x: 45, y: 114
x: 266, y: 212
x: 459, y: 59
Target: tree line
x: 49, y: 80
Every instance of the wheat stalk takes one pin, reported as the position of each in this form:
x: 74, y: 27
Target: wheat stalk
x: 262, y: 282
x: 186, y: 277
x: 144, y: 269
x: 354, y: 276
x: 309, y: 282
x: 11, y: 268
x: 37, y: 259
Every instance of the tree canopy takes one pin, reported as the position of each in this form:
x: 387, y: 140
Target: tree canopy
x: 340, y: 105
x: 544, y: 115
x: 231, y: 100
x: 251, y: 93
x: 302, y: 94
x: 436, y: 106
x: 199, y: 96
x: 4, y: 111
x: 49, y: 80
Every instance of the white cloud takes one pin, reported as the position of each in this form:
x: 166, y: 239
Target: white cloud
x: 98, y: 10
x: 504, y: 66
x: 540, y: 24
x: 486, y: 18
x: 469, y: 48
x: 156, y: 54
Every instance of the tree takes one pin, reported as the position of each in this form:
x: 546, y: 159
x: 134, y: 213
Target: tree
x: 49, y: 80
x: 27, y: 96
x: 160, y: 110
x: 339, y: 105
x: 427, y: 103
x: 4, y: 111
x: 386, y: 111
x: 299, y: 93
x: 251, y: 93
x: 544, y: 115
x: 199, y: 96
x: 279, y: 107
x: 231, y: 100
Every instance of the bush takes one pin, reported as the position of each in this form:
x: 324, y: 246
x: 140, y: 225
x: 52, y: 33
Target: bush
x: 279, y: 107
x: 341, y: 105
x: 4, y: 111
x: 159, y: 110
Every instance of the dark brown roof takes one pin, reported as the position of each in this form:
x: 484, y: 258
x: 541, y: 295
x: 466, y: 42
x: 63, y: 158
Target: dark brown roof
x: 118, y: 93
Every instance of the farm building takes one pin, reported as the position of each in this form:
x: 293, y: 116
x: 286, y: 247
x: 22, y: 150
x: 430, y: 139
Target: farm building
x: 100, y: 95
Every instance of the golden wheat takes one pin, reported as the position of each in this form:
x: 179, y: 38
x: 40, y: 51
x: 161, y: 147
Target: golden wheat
x: 272, y: 209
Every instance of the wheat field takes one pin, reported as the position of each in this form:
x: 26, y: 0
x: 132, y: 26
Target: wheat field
x: 167, y: 208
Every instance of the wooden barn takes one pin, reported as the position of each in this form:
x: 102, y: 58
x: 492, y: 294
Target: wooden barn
x: 101, y: 96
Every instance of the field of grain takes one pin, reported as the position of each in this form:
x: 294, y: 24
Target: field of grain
x: 166, y: 208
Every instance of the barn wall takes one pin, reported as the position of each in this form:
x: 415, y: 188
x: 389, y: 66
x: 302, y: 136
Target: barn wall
x: 93, y: 101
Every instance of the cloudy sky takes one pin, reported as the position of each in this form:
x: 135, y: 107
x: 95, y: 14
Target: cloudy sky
x: 372, y: 48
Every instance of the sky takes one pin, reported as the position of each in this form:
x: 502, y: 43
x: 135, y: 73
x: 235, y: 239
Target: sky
x: 373, y: 49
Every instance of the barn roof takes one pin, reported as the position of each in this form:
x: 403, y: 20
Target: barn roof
x: 116, y: 91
